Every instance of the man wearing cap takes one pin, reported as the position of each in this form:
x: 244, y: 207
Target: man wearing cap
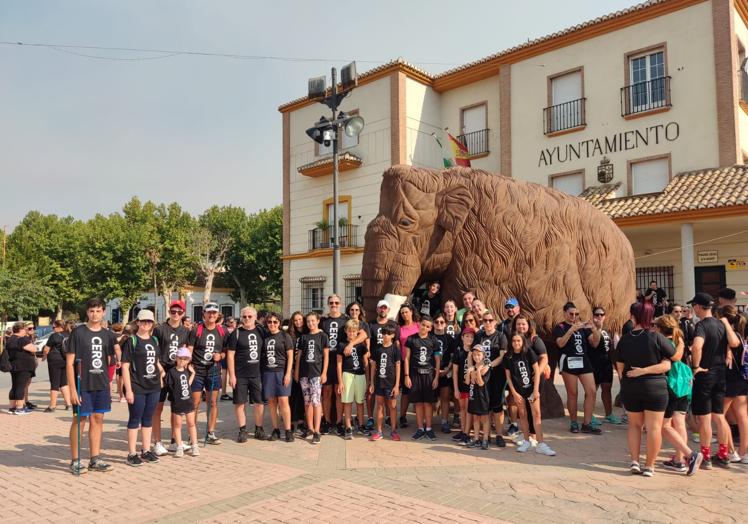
x: 171, y: 335
x: 383, y: 309
x: 708, y: 354
x: 511, y: 309
x: 206, y: 343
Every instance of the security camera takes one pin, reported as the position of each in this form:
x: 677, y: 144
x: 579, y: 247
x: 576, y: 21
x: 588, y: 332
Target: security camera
x: 327, y: 137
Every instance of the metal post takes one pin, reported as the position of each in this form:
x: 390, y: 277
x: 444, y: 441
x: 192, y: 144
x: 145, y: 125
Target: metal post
x: 335, y: 239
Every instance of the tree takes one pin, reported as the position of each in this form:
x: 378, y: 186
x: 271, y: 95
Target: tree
x: 219, y: 227
x: 23, y: 294
x: 176, y: 266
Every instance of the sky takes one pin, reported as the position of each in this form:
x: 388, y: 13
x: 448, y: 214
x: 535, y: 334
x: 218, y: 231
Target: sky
x: 82, y: 135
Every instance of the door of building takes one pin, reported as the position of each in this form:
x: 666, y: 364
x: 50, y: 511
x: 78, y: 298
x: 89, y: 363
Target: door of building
x: 710, y: 279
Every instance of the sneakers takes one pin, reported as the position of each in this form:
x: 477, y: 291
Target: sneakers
x: 418, y: 434
x: 594, y: 421
x: 99, y: 466
x: 612, y: 419
x: 694, y: 461
x: 695, y: 438
x: 635, y: 468
x: 212, y: 439
x: 76, y: 468
x: 274, y: 435
x: 259, y: 433
x: 243, y: 436
x: 722, y: 462
x: 403, y: 422
x: 375, y: 435
x: 226, y: 397
x: 512, y: 429
x: 289, y: 436
x: 734, y: 457
x: 744, y: 460
x: 159, y: 449
x: 648, y: 472
x: 472, y: 443
x: 362, y: 430
x: 339, y: 429
x: 500, y: 442
x: 574, y: 427
x: 31, y: 405
x: 174, y: 447
x: 706, y: 463
x: 315, y: 438
x: 446, y: 428
x: 524, y: 446
x: 484, y: 445
x: 149, y: 456
x: 348, y: 435
x: 48, y: 410
x: 394, y: 435
x: 134, y: 460
x: 590, y: 429
x: 464, y: 440
x: 195, y: 451
x: 370, y: 424
x: 179, y: 453
x: 544, y: 449
x: 324, y: 427
x: 430, y: 434
x: 303, y: 433
x: 457, y: 436
x: 675, y: 466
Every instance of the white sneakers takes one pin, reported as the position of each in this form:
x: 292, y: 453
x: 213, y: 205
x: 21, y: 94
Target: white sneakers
x: 159, y: 449
x: 195, y: 451
x: 544, y: 449
x: 541, y: 448
x: 523, y: 446
x: 179, y: 453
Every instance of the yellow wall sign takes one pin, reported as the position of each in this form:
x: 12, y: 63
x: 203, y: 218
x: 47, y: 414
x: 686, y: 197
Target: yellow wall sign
x: 735, y: 264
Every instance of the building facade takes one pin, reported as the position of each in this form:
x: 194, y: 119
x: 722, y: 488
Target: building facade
x: 193, y: 299
x: 643, y: 112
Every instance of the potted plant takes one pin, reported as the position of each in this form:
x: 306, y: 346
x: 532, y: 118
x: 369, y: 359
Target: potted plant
x: 343, y: 231
x: 322, y: 234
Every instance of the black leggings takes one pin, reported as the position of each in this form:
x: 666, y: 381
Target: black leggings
x: 19, y: 381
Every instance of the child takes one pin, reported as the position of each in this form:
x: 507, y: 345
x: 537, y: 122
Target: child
x: 385, y: 380
x: 460, y: 366
x: 478, y: 402
x: 311, y: 372
x: 179, y: 380
x: 523, y: 377
x: 422, y: 361
x: 352, y: 378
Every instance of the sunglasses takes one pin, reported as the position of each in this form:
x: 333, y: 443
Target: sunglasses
x: 248, y: 316
x: 573, y: 315
x: 508, y: 306
x: 146, y: 321
x: 489, y: 320
x: 176, y: 312
x: 439, y: 322
x: 469, y: 320
x: 598, y: 314
x: 272, y: 322
x: 333, y: 303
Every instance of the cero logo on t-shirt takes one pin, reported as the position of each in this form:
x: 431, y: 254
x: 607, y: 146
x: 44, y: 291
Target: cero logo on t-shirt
x: 354, y: 356
x: 383, y: 365
x: 450, y: 329
x: 333, y: 336
x: 271, y: 352
x: 253, y: 347
x: 486, y: 351
x: 173, y: 347
x: 422, y: 355
x: 472, y: 391
x: 97, y: 353
x: 578, y: 343
x: 185, y: 385
x: 150, y: 359
x: 523, y: 373
x: 310, y: 351
x: 210, y: 346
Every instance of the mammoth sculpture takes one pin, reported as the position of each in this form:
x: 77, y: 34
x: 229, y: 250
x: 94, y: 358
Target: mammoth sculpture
x: 501, y: 237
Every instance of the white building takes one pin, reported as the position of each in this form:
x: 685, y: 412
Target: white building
x: 192, y: 296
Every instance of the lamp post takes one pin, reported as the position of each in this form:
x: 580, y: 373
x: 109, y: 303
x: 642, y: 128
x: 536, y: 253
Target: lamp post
x: 327, y: 133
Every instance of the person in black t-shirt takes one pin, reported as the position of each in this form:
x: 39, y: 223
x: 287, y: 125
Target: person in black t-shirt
x: 736, y: 391
x: 332, y: 325
x: 276, y: 364
x: 478, y: 396
x: 312, y: 361
x: 376, y: 337
x: 22, y: 353
x: 494, y: 345
x: 602, y: 365
x: 460, y: 364
x: 422, y: 363
x: 178, y: 380
x: 143, y: 376
x: 56, y: 365
x: 574, y: 339
x: 428, y: 302
x: 657, y: 296
x: 355, y: 311
x: 90, y: 347
x: 447, y: 344
x: 296, y: 327
x: 385, y: 380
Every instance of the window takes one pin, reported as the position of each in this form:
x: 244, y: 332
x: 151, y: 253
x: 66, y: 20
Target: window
x: 566, y: 102
x: 116, y: 315
x: 663, y: 275
x: 312, y: 294
x: 474, y: 126
x: 197, y: 313
x: 353, y: 289
x: 648, y: 86
x: 570, y: 183
x: 227, y: 312
x: 649, y: 175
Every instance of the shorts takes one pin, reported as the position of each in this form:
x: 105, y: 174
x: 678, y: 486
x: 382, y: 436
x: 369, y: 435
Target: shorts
x: 603, y: 370
x: 19, y: 381
x: 110, y: 371
x: 142, y: 409
x: 203, y: 380
x: 165, y: 395
x: 675, y: 405
x: 737, y: 388
x: 574, y: 366
x: 496, y: 388
x: 272, y: 385
x: 708, y: 395
x: 311, y: 388
x: 248, y: 389
x: 445, y: 382
x: 93, y: 402
x: 332, y: 370
x: 383, y: 392
x: 405, y: 390
x: 354, y: 388
x: 648, y: 394
x: 58, y: 378
x: 421, y: 387
x: 464, y: 395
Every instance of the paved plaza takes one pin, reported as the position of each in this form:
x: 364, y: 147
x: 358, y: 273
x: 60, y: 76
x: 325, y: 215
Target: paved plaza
x: 348, y: 480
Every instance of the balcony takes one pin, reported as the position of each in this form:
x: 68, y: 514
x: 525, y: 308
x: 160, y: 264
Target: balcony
x: 644, y: 97
x: 476, y: 142
x: 322, y: 237
x: 564, y: 117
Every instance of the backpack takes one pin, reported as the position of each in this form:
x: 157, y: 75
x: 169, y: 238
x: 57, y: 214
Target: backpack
x: 134, y: 341
x: 200, y: 330
x: 680, y: 379
x: 742, y: 361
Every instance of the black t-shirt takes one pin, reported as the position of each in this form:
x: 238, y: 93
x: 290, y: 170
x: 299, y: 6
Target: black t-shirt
x: 22, y: 360
x: 714, y: 350
x: 170, y: 340
x: 93, y: 349
x: 520, y: 369
x: 354, y: 363
x: 602, y: 351
x: 686, y: 326
x: 247, y: 345
x: 144, y: 373
x: 423, y: 352
x: 452, y: 330
x: 493, y: 345
x: 427, y: 305
x: 376, y: 332
x: 460, y: 357
x: 312, y: 348
x: 538, y: 347
x: 178, y: 383
x: 386, y: 358
x: 274, y: 351
x: 577, y: 346
x: 211, y: 342
x: 364, y: 326
x: 335, y: 331
x: 642, y: 348
x: 55, y: 357
x: 447, y: 344
x: 658, y: 299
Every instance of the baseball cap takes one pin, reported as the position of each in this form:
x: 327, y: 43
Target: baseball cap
x: 210, y: 306
x: 145, y: 314
x: 383, y: 303
x: 702, y: 299
x: 468, y: 331
x: 178, y: 303
x: 511, y: 302
x: 183, y: 352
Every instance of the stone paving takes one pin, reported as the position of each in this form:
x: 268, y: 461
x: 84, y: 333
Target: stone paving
x: 349, y: 480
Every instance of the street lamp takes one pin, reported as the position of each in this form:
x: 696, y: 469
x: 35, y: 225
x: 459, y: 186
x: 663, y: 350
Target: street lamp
x: 327, y: 132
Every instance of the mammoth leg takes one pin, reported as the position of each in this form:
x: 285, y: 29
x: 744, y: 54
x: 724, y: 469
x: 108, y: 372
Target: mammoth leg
x: 551, y: 403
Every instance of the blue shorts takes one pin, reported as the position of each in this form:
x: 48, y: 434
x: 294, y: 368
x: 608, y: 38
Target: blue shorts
x: 272, y: 385
x: 94, y: 402
x: 203, y: 380
x: 384, y: 392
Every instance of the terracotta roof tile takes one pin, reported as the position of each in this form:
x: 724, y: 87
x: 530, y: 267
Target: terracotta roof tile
x: 689, y: 191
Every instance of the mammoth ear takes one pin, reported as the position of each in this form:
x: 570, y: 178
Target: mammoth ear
x: 453, y: 206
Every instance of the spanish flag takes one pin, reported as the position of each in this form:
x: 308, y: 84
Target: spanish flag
x: 456, y: 155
